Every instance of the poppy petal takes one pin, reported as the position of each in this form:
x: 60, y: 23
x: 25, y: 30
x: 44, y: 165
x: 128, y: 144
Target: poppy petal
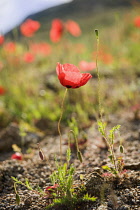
x: 70, y: 67
x: 85, y: 78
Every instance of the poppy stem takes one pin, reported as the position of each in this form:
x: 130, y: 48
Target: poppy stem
x: 98, y: 75
x: 61, y: 115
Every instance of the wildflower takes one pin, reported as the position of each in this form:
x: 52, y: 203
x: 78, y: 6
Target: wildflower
x: 87, y: 66
x: 17, y: 156
x: 124, y: 171
x: 51, y: 188
x: 1, y: 39
x: 28, y: 57
x: 2, y: 90
x: 70, y: 76
x: 137, y: 21
x: 10, y: 47
x: 40, y: 48
x: 73, y: 28
x: 29, y: 27
x: 56, y: 30
x: 135, y: 108
x: 106, y: 58
x: 107, y: 174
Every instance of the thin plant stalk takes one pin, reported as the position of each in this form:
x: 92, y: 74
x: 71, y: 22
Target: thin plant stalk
x: 100, y: 105
x: 99, y: 83
x: 98, y: 75
x: 59, y: 122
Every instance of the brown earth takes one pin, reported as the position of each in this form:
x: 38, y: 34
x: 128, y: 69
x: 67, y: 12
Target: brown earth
x: 121, y: 193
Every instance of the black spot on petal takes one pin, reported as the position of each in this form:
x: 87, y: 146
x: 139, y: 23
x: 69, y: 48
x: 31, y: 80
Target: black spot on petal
x: 68, y: 86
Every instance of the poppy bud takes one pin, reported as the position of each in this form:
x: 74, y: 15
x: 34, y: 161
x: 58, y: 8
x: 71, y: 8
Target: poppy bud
x: 121, y: 149
x: 41, y: 155
x: 96, y: 32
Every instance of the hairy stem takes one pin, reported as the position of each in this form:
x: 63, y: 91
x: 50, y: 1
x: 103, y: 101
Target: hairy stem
x: 98, y: 75
x: 99, y: 102
x: 59, y: 122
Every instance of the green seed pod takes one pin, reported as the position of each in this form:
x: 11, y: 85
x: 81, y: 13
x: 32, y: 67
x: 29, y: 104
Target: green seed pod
x: 17, y: 199
x: 79, y: 155
x: 121, y: 149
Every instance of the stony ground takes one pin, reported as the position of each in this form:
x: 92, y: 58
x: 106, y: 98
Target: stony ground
x: 112, y: 193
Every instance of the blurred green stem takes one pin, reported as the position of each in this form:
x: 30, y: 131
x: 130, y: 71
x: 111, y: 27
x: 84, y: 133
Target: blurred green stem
x: 98, y: 75
x: 59, y: 131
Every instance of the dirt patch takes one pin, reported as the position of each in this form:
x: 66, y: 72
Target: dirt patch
x: 112, y: 193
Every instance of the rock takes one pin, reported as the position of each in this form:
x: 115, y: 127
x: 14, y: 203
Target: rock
x: 94, y: 184
x: 11, y: 135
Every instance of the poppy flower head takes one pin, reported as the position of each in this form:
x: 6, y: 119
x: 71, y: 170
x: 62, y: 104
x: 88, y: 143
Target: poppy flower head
x: 17, y: 156
x: 56, y: 30
x: 28, y: 57
x: 29, y: 27
x: 40, y: 48
x: 73, y: 28
x: 106, y: 58
x: 137, y: 21
x: 2, y: 91
x: 70, y: 76
x: 10, y: 47
x: 1, y: 39
x: 87, y: 66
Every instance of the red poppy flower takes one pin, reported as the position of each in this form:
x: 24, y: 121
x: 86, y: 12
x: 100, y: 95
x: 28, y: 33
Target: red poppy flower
x: 29, y: 27
x: 87, y: 66
x: 10, y: 47
x: 70, y: 76
x: 1, y: 39
x: 56, y: 30
x: 28, y: 57
x: 73, y: 28
x: 40, y: 48
x: 17, y: 156
x: 137, y: 21
x: 2, y: 90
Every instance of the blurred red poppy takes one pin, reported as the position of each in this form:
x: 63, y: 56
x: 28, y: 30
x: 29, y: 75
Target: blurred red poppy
x: 40, y: 48
x: 2, y: 90
x: 137, y: 21
x: 56, y: 30
x: 29, y: 27
x: 70, y: 76
x: 87, y: 66
x: 106, y: 58
x: 28, y: 57
x: 10, y: 47
x: 1, y: 39
x: 73, y: 28
x: 17, y: 156
x: 1, y: 65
